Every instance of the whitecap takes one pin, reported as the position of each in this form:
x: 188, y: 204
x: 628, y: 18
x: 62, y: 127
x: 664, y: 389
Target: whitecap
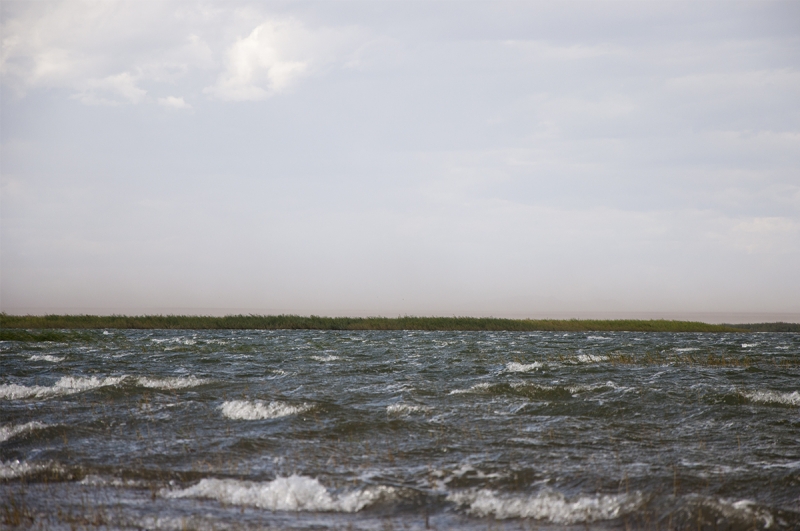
x: 17, y: 468
x: 474, y: 389
x: 773, y: 397
x: 9, y: 431
x: 46, y: 357
x: 744, y: 509
x: 687, y: 349
x: 592, y: 387
x: 591, y: 358
x: 515, y: 366
x: 258, y: 410
x: 749, y: 345
x: 170, y: 383
x: 103, y: 481
x: 293, y: 493
x: 403, y: 409
x: 67, y: 385
x: 548, y: 505
x: 330, y: 357
x: 599, y: 337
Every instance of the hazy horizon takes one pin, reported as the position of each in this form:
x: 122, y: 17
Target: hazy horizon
x: 509, y: 159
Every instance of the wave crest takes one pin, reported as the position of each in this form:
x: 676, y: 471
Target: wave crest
x: 258, y: 410
x: 551, y: 506
x: 293, y: 493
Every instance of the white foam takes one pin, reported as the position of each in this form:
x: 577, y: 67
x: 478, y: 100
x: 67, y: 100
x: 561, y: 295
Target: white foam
x: 257, y: 410
x: 9, y: 431
x: 17, y: 468
x: 742, y: 509
x: 547, y: 505
x: 515, y: 366
x: 773, y: 397
x: 749, y: 345
x: 46, y: 357
x: 293, y: 493
x: 175, y: 340
x: 477, y: 388
x: 591, y: 358
x: 330, y: 357
x: 67, y: 385
x: 687, y: 349
x: 102, y: 481
x: 403, y: 409
x: 599, y: 337
x: 170, y: 383
x: 574, y: 389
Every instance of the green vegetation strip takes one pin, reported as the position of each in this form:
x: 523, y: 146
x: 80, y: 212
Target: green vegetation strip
x: 296, y: 322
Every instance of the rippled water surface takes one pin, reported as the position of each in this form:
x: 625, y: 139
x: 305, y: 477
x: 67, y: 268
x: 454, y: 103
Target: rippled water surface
x: 401, y: 430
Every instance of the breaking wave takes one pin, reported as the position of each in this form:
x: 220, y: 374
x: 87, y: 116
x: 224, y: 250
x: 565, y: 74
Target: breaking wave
x: 403, y: 409
x: 258, y: 410
x: 591, y: 358
x: 773, y: 397
x: 552, y: 506
x: 17, y: 468
x: 67, y: 385
x: 515, y: 366
x: 170, y: 383
x: 330, y: 357
x: 7, y: 432
x: 293, y: 493
x: 46, y: 357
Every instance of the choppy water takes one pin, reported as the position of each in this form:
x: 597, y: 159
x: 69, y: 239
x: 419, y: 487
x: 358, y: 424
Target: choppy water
x: 399, y: 430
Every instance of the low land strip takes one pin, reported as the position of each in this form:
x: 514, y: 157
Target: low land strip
x: 296, y: 322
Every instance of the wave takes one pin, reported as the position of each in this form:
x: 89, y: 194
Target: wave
x: 325, y: 358
x: 773, y: 397
x: 7, y: 432
x: 17, y: 468
x: 67, y: 385
x: 548, y: 505
x: 515, y: 366
x: 170, y: 383
x: 403, y: 409
x: 293, y: 493
x: 591, y: 358
x: 46, y: 357
x: 535, y: 391
x: 477, y: 388
x: 258, y: 410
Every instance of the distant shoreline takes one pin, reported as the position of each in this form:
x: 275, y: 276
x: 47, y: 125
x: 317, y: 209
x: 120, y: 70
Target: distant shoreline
x: 296, y: 322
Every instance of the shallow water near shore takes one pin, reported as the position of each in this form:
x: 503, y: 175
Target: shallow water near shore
x: 156, y: 429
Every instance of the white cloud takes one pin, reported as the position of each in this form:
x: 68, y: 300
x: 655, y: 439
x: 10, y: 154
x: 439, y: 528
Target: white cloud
x: 263, y: 63
x: 111, y: 90
x: 174, y: 102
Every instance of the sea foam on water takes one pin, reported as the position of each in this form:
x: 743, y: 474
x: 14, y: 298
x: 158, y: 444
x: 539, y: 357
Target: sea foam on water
x: 9, y: 431
x: 552, y: 506
x: 258, y: 410
x: 67, y: 385
x: 293, y: 493
x: 773, y: 397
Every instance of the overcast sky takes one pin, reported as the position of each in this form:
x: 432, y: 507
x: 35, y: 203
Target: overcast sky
x: 385, y: 158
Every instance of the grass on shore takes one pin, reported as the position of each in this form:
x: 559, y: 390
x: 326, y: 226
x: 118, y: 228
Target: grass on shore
x: 296, y: 322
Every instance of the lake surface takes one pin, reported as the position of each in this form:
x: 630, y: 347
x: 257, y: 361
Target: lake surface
x: 133, y: 429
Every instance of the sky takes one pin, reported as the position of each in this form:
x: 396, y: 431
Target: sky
x: 513, y: 159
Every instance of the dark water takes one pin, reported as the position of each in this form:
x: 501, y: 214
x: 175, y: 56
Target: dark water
x: 401, y: 430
